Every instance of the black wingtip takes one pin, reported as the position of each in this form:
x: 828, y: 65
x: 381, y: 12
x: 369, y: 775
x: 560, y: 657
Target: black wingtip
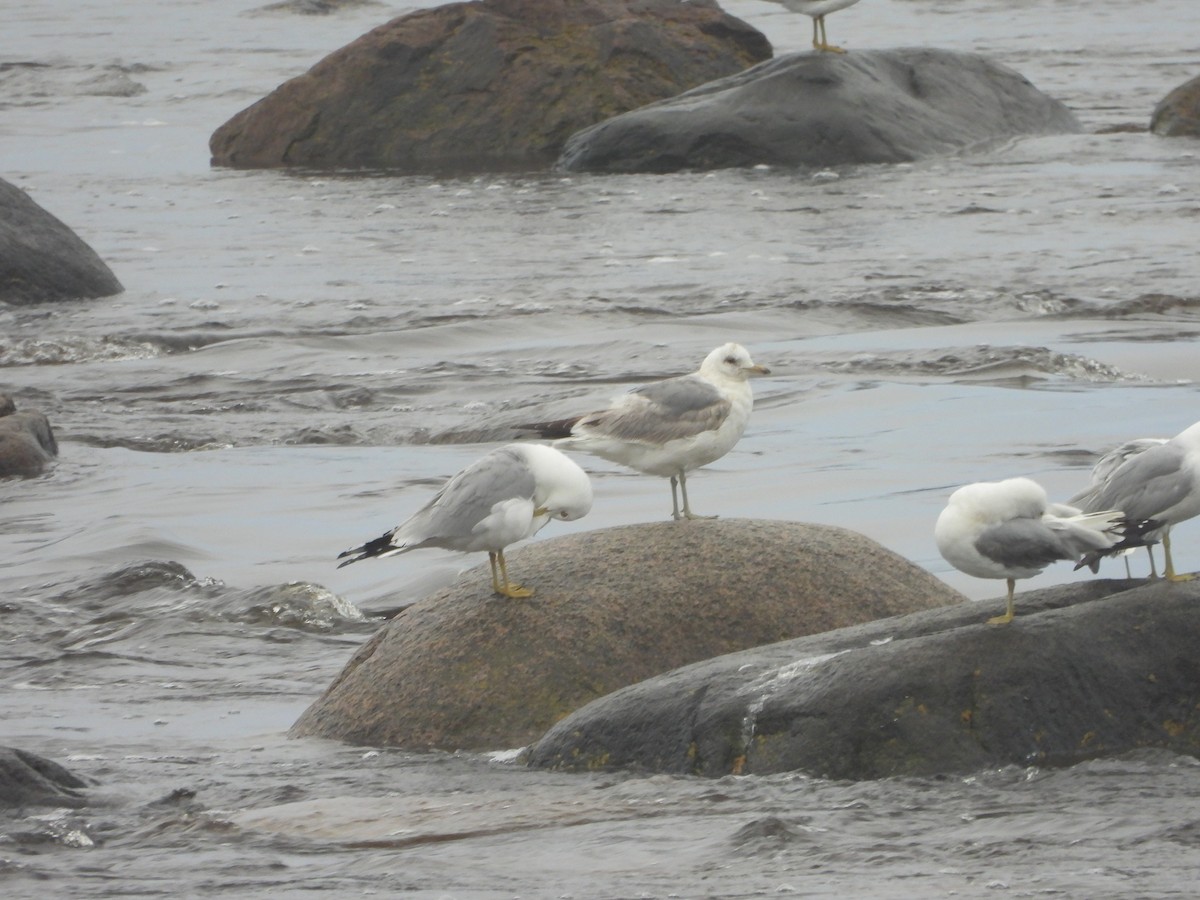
x: 381, y: 544
x: 1132, y: 535
x: 560, y: 428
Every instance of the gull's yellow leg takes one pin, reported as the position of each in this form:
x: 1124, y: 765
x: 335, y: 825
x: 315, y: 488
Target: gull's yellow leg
x: 495, y: 574
x: 506, y: 588
x: 1153, y: 568
x: 824, y: 43
x: 816, y: 40
x: 687, y: 510
x: 1170, y: 573
x: 1008, y: 615
x: 675, y: 514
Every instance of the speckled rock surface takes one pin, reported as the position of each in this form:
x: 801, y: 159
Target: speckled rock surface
x: 1178, y: 113
x: 465, y: 669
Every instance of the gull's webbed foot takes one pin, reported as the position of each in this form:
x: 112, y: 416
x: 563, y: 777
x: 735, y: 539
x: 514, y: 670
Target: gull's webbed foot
x: 500, y: 583
x: 514, y: 591
x: 1008, y: 610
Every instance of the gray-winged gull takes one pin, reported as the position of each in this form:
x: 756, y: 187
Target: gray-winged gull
x: 1102, y: 471
x: 1156, y: 489
x: 1007, y: 529
x: 668, y: 428
x: 503, y: 497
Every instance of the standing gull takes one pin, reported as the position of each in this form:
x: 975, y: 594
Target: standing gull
x: 503, y: 497
x: 1102, y: 471
x: 1006, y: 529
x: 1156, y: 489
x: 818, y: 10
x: 668, y: 428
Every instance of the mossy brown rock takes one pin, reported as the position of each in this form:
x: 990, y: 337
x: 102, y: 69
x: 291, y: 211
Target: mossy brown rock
x: 1178, y: 113
x: 491, y: 85
x: 465, y: 669
x: 1086, y: 670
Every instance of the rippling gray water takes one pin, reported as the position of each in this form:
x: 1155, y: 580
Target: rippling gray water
x: 298, y: 359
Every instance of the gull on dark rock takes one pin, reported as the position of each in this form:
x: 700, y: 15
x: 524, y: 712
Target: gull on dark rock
x: 1007, y: 529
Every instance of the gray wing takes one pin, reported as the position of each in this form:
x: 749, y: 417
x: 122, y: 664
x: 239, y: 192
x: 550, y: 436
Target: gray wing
x: 1118, y: 456
x: 663, y: 411
x: 1144, y: 485
x: 1022, y: 543
x: 466, y: 499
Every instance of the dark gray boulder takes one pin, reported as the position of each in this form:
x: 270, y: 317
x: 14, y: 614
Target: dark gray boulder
x: 27, y: 442
x: 42, y: 259
x: 825, y: 109
x: 1178, y: 113
x: 1086, y: 670
x: 27, y: 779
x: 491, y: 85
x: 465, y: 669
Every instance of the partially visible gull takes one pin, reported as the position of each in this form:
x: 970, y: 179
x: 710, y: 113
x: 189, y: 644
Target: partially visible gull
x: 1102, y: 472
x: 503, y: 497
x: 668, y: 428
x: 1156, y: 489
x: 1007, y: 529
x: 818, y: 9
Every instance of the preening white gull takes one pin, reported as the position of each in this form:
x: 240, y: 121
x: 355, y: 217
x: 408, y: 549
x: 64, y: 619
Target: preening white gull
x: 1102, y: 471
x: 1156, y: 489
x: 504, y: 497
x: 818, y: 9
x: 1007, y: 529
x: 668, y: 428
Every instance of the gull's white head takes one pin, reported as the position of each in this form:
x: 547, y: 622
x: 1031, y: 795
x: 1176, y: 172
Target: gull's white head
x: 731, y: 361
x: 563, y: 490
x: 992, y: 502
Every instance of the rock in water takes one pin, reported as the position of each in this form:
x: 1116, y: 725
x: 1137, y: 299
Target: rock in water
x: 1178, y: 114
x: 824, y: 109
x: 27, y: 441
x: 1096, y: 669
x: 41, y: 259
x: 464, y: 669
x: 27, y: 779
x: 492, y: 85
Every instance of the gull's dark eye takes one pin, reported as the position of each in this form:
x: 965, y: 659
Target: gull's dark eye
x: 732, y: 360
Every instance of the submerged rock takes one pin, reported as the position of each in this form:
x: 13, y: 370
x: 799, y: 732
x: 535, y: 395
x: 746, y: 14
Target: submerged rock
x: 824, y: 109
x: 465, y: 669
x: 27, y: 442
x: 485, y: 86
x: 41, y: 259
x: 1093, y: 669
x: 27, y: 779
x: 1178, y: 113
